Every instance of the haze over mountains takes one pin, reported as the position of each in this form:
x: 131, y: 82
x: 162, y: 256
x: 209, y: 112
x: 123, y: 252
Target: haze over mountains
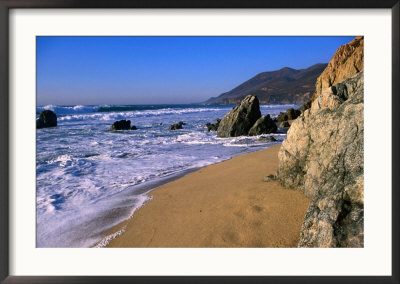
x: 284, y: 86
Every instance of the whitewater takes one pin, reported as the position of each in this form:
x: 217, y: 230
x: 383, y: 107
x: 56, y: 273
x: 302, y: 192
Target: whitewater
x: 89, y: 179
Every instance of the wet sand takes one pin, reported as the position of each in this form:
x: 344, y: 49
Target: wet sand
x: 222, y: 205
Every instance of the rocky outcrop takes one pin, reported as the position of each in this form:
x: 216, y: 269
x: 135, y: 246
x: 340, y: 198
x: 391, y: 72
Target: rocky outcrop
x: 289, y: 114
x: 177, y: 126
x: 347, y: 62
x: 122, y: 125
x: 47, y: 118
x: 240, y: 119
x: 323, y: 156
x: 264, y: 125
x: 213, y: 126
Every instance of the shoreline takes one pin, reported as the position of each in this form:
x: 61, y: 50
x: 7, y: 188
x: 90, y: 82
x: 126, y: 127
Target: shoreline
x: 146, y: 189
x: 142, y: 189
x: 226, y: 204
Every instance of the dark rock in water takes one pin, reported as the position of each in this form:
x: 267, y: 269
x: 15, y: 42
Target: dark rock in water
x: 177, y: 125
x: 213, y: 126
x: 289, y: 114
x: 122, y: 125
x: 264, y: 125
x: 240, y: 119
x: 47, y: 118
x: 323, y: 156
x: 267, y: 139
x: 133, y: 127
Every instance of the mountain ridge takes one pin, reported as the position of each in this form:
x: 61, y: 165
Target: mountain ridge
x: 286, y: 85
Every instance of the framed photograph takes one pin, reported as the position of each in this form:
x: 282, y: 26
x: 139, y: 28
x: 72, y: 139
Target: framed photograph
x: 180, y: 142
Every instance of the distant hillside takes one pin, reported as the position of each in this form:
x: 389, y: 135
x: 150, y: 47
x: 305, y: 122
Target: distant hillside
x: 284, y: 86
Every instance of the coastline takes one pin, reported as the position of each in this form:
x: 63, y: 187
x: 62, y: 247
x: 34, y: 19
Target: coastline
x: 226, y: 204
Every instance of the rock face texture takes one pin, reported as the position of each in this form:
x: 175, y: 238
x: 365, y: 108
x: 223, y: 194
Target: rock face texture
x: 323, y: 156
x: 264, y: 125
x: 47, y: 118
x: 122, y: 125
x: 347, y: 62
x: 240, y: 119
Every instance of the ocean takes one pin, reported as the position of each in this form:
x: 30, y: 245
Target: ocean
x: 90, y: 179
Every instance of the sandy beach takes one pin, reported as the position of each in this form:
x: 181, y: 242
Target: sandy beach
x: 223, y: 205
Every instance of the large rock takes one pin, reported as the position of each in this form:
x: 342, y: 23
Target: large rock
x: 122, y: 125
x: 323, y: 155
x: 263, y: 125
x: 47, y: 118
x: 347, y: 62
x: 240, y: 119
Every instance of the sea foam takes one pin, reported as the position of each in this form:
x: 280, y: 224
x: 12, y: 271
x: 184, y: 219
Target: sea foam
x: 90, y: 179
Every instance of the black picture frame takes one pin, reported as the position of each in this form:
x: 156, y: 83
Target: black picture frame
x: 6, y: 5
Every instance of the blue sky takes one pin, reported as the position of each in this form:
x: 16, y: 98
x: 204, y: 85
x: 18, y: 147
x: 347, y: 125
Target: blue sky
x: 164, y: 70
